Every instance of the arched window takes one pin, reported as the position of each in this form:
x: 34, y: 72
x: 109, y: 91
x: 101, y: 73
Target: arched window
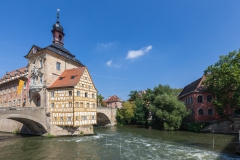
x: 209, y: 98
x: 200, y: 112
x: 210, y: 112
x: 200, y: 99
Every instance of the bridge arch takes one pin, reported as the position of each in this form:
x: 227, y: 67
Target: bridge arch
x: 106, y: 116
x: 102, y: 119
x: 32, y: 124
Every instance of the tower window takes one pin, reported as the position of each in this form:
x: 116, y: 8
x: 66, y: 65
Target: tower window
x: 58, y: 66
x: 60, y: 37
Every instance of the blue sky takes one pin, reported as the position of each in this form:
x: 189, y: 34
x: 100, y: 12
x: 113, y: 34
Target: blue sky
x: 126, y: 45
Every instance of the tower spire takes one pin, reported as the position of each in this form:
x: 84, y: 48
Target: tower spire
x: 57, y: 31
x: 58, y: 10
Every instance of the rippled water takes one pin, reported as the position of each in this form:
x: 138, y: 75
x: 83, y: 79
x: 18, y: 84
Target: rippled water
x: 113, y: 143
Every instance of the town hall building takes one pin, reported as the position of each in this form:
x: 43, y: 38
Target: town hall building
x: 57, y: 81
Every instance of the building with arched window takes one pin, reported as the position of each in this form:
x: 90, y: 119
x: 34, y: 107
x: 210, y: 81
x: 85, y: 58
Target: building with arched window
x: 199, y: 101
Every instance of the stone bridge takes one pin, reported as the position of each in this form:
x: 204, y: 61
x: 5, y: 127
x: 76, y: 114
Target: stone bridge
x: 106, y: 116
x: 33, y: 120
x: 30, y: 120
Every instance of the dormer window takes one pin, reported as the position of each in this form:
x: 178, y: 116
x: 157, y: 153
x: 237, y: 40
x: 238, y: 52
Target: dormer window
x: 72, y: 77
x: 61, y: 78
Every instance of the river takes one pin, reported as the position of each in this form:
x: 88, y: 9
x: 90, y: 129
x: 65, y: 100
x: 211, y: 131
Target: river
x: 116, y: 143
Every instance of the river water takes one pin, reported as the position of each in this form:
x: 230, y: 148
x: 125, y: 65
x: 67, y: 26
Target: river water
x: 116, y: 143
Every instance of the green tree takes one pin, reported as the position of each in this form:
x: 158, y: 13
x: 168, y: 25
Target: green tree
x: 140, y: 112
x: 167, y: 111
x: 223, y: 81
x: 133, y: 95
x: 100, y: 100
x: 126, y: 113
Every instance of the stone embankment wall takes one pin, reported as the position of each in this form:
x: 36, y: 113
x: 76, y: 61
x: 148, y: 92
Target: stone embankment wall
x: 224, y: 126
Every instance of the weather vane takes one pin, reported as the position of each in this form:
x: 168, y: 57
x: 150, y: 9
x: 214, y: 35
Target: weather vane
x: 58, y: 15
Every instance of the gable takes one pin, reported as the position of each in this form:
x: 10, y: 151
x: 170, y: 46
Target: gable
x: 34, y: 49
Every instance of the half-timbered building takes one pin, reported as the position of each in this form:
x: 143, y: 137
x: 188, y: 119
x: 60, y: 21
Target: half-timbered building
x: 57, y: 81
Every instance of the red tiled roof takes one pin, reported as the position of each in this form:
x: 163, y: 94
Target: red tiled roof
x: 113, y: 98
x: 68, y: 78
x: 13, y: 73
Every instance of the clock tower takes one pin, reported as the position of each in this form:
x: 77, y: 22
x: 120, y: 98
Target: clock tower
x: 57, y: 31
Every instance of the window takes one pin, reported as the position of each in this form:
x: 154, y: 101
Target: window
x: 209, y: 98
x: 61, y: 78
x: 52, y: 105
x: 93, y: 95
x: 92, y: 117
x: 69, y: 119
x: 200, y: 112
x: 93, y: 105
x: 188, y: 100
x: 72, y: 77
x: 9, y: 103
x: 77, y: 104
x: 40, y: 63
x: 84, y: 117
x: 55, y: 119
x: 85, y: 78
x: 24, y: 87
x: 58, y: 66
x: 86, y: 95
x: 61, y: 119
x: 24, y: 102
x: 200, y: 99
x: 87, y: 105
x: 191, y: 101
x: 210, y: 112
x: 76, y: 118
x: 5, y: 104
x: 82, y: 85
x: 14, y: 103
x: 1, y: 104
x: 14, y: 88
x: 69, y: 93
x: 40, y: 79
x: 191, y: 112
x: 70, y: 104
x: 19, y: 101
x: 78, y: 93
x: 52, y: 94
x: 89, y: 87
x: 81, y: 104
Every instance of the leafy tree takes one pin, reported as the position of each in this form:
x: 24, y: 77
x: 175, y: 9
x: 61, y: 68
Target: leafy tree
x: 100, y: 100
x: 133, y: 95
x: 140, y: 112
x: 176, y: 91
x: 167, y: 111
x: 223, y: 81
x: 126, y: 113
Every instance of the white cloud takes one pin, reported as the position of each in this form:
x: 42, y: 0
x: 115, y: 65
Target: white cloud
x: 109, y: 63
x: 105, y: 45
x: 137, y: 53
